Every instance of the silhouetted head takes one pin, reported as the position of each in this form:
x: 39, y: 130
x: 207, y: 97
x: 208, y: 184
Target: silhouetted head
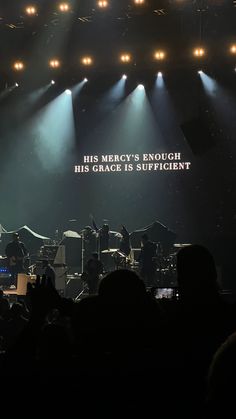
x: 123, y: 286
x: 105, y: 228
x: 196, y: 273
x: 15, y: 237
x: 221, y: 378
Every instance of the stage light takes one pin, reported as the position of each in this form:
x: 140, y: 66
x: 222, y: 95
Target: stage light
x: 139, y: 2
x: 64, y: 7
x: 18, y: 66
x: 125, y: 58
x: 124, y: 77
x: 68, y: 92
x: 233, y: 49
x: 78, y: 87
x: 199, y: 52
x: 102, y: 4
x: 52, y: 82
x: 87, y: 60
x: 160, y: 80
x: 200, y: 72
x: 30, y: 10
x: 54, y: 63
x: 140, y: 86
x: 209, y: 84
x: 159, y: 55
x: 16, y: 85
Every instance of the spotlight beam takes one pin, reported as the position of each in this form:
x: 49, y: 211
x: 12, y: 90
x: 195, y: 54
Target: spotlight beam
x: 78, y: 87
x: 55, y: 129
x: 114, y: 95
x: 8, y: 90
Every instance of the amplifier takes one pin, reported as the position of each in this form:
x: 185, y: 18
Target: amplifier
x: 4, y: 271
x: 5, y: 278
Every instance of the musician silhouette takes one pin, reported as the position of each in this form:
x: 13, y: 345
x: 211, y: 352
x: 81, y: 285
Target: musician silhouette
x: 103, y: 245
x: 125, y: 246
x: 89, y: 237
x: 102, y: 234
x: 104, y: 237
x: 16, y: 253
x: 93, y: 268
x: 147, y: 260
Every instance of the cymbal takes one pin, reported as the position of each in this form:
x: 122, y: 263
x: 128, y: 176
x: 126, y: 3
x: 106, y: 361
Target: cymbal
x: 180, y: 245
x: 109, y: 250
x: 121, y: 254
x: 118, y: 235
x: 71, y: 234
x: 114, y: 232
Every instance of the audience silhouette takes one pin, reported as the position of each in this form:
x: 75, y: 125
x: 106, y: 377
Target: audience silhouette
x: 122, y: 349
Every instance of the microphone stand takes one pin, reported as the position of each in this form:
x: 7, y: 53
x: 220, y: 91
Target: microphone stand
x: 82, y: 251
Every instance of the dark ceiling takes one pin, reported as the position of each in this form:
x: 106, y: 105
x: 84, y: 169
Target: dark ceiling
x: 176, y: 26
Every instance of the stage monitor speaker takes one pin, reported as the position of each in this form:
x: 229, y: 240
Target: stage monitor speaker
x: 198, y: 134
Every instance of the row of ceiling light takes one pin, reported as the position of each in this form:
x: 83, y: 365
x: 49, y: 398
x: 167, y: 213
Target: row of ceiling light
x: 64, y: 7
x: 124, y: 58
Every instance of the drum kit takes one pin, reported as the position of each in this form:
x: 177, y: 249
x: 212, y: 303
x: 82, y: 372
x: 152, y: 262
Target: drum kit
x: 166, y: 271
x: 121, y: 261
x: 167, y: 265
